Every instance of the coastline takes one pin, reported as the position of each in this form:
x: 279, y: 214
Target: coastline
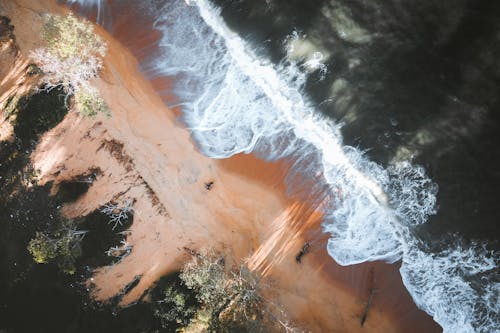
x: 245, y: 214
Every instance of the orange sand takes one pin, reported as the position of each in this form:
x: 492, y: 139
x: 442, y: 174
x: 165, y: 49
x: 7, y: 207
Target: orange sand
x: 143, y: 154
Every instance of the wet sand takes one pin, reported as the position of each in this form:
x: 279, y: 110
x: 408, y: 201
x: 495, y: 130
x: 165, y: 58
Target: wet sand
x: 144, y: 154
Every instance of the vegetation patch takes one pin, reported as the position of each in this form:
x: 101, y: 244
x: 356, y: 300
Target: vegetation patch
x: 70, y: 37
x: 10, y: 107
x: 61, y: 246
x: 176, y: 305
x: 229, y: 297
x: 72, y: 58
x: 89, y: 103
x: 209, y: 296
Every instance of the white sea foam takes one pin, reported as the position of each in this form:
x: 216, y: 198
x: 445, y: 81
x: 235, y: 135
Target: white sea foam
x: 234, y: 101
x: 457, y: 287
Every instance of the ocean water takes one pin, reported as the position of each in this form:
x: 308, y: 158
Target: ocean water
x: 385, y: 106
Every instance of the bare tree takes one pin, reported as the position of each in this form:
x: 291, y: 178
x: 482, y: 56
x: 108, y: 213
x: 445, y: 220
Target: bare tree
x: 118, y: 213
x: 120, y: 251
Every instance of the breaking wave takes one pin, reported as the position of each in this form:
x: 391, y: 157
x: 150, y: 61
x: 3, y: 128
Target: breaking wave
x: 458, y: 286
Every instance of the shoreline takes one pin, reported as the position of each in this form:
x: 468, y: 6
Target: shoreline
x: 248, y: 214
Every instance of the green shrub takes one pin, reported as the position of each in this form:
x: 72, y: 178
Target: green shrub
x: 69, y: 36
x: 42, y: 248
x: 176, y: 307
x: 89, y: 103
x: 10, y: 106
x: 61, y: 246
x: 201, y: 323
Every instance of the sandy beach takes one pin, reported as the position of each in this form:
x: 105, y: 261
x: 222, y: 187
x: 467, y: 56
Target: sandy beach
x: 144, y: 154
